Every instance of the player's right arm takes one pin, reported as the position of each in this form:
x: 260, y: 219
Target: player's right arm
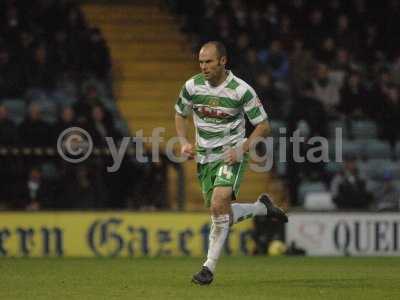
x: 183, y: 108
x: 181, y: 125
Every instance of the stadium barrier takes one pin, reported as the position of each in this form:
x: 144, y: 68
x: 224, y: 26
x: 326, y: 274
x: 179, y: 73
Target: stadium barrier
x: 113, y: 234
x: 352, y: 233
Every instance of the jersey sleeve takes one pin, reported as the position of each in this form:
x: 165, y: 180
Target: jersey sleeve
x: 183, y: 105
x: 252, y: 107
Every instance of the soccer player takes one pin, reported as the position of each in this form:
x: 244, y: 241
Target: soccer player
x: 218, y: 100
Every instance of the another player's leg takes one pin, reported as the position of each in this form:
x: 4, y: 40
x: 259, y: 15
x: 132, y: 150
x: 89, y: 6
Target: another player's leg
x: 220, y: 217
x: 263, y: 206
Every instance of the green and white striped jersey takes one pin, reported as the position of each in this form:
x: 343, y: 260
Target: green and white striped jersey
x: 218, y: 113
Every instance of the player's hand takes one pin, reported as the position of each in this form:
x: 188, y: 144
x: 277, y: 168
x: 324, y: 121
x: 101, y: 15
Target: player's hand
x: 233, y: 155
x: 187, y: 150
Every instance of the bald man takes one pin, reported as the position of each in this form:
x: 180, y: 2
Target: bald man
x: 218, y: 101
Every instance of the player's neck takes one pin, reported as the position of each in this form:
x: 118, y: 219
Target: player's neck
x: 220, y: 79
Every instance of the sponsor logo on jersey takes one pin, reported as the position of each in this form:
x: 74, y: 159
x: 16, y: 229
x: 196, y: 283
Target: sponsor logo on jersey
x: 206, y: 111
x: 213, y: 102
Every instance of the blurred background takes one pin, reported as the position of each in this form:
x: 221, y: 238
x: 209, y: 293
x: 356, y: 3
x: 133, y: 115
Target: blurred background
x: 116, y: 67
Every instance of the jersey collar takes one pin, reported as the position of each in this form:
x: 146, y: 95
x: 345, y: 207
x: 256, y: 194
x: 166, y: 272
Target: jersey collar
x: 224, y: 83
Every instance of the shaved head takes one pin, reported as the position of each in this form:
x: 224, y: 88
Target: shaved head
x: 218, y: 46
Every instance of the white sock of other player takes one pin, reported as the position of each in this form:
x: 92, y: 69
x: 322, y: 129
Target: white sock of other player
x: 218, y: 234
x: 243, y: 211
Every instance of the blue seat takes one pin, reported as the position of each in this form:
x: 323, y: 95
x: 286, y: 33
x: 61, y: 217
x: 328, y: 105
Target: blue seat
x: 333, y: 167
x: 49, y: 171
x: 62, y: 99
x: 364, y: 129
x: 333, y: 125
x: 36, y: 94
x: 48, y: 109
x: 397, y: 150
x: 122, y: 127
x: 16, y: 109
x: 276, y: 125
x: 377, y: 149
x: 100, y: 87
x: 307, y: 187
x: 372, y: 185
x: 375, y: 169
x: 355, y: 147
x: 281, y: 168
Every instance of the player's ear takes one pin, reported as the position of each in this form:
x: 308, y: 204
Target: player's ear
x: 223, y: 60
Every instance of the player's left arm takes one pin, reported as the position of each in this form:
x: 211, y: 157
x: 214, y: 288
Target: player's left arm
x: 258, y: 117
x: 262, y: 130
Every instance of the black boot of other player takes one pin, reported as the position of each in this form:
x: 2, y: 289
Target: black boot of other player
x: 204, y: 277
x: 274, y: 212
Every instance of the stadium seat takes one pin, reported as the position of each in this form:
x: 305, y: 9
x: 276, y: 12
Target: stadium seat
x: 393, y: 168
x: 100, y: 87
x: 397, y: 150
x: 377, y: 149
x: 364, y: 129
x: 281, y: 168
x: 355, y: 147
x: 110, y: 106
x: 62, y: 98
x: 310, y: 187
x: 275, y: 125
x: 333, y: 167
x: 67, y: 87
x: 122, y: 127
x: 16, y: 108
x: 319, y: 201
x: 48, y: 109
x: 373, y: 185
x: 49, y: 171
x: 332, y: 125
x: 375, y: 169
x: 36, y: 94
x: 397, y: 184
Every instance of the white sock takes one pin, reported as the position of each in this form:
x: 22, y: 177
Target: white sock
x: 218, y: 234
x: 243, y: 211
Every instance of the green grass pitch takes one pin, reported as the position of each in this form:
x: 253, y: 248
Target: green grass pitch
x: 169, y: 278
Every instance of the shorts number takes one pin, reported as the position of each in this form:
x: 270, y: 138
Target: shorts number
x: 225, y: 171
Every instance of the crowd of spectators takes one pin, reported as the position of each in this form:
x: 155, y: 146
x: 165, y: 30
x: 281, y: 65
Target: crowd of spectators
x: 43, y: 42
x: 55, y: 73
x: 312, y: 63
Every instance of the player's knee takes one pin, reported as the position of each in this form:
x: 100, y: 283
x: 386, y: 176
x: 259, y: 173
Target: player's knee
x: 219, y: 206
x: 217, y: 210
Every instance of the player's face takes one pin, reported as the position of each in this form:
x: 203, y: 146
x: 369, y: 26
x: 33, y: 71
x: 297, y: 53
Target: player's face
x: 211, y: 65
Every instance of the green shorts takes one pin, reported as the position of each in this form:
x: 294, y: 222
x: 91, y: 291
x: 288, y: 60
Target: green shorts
x: 218, y: 173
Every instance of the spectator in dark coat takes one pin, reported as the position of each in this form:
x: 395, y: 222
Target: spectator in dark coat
x: 36, y: 193
x: 97, y: 54
x: 8, y: 130
x: 8, y: 138
x: 101, y: 126
x: 327, y: 51
x: 348, y: 188
x: 12, y: 83
x: 84, y: 106
x: 41, y: 72
x: 390, y: 118
x: 67, y: 119
x: 35, y: 132
x: 353, y: 97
